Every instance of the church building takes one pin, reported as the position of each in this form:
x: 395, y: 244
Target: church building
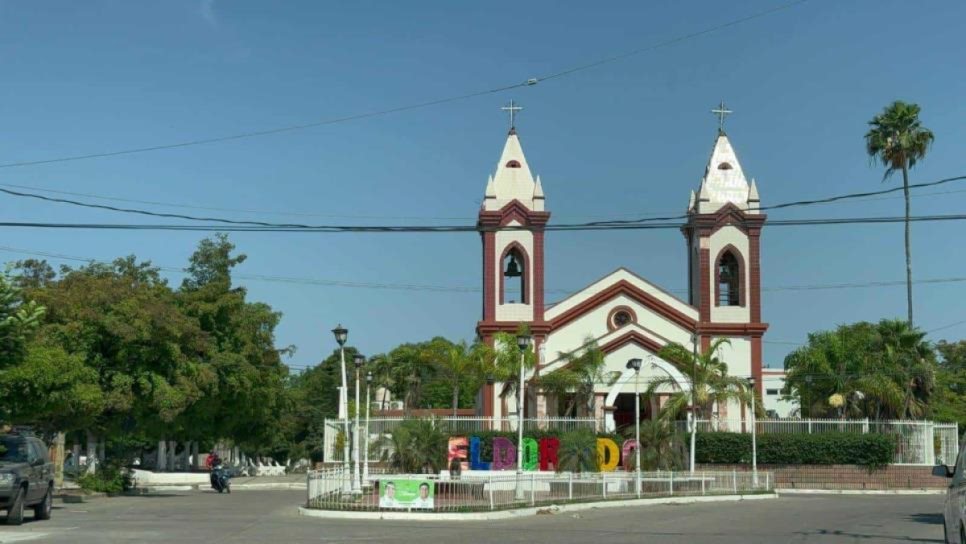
x: 627, y: 315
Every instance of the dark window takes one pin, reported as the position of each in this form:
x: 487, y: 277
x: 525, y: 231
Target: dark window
x: 728, y: 281
x: 772, y: 391
x: 622, y: 318
x: 514, y: 278
x: 13, y: 450
x: 724, y: 166
x: 513, y: 164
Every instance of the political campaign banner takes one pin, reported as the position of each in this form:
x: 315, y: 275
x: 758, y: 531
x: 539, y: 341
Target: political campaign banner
x: 406, y: 494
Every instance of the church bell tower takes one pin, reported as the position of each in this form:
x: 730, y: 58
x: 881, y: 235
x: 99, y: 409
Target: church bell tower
x: 723, y: 233
x: 511, y: 223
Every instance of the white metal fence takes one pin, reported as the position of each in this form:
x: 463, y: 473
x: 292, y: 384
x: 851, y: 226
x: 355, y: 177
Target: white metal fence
x: 456, y: 425
x: 331, y: 489
x: 917, y: 442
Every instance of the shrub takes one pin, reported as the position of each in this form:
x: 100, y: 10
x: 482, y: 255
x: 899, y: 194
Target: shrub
x: 872, y: 450
x: 105, y: 480
x: 578, y: 451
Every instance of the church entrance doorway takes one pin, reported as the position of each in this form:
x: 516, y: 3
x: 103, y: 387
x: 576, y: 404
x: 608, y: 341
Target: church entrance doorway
x: 624, y: 411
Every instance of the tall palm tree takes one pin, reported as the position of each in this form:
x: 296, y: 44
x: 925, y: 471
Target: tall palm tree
x: 897, y: 139
x: 460, y: 365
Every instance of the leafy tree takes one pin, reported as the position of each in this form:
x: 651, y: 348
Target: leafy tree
x: 662, y: 447
x: 898, y: 141
x: 18, y: 320
x: 881, y: 371
x: 949, y: 400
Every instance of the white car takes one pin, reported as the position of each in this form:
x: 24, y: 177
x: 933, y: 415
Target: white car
x: 954, y: 513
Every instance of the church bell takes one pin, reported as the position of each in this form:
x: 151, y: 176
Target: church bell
x: 512, y: 268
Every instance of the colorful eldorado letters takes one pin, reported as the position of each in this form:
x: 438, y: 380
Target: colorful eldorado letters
x: 537, y: 455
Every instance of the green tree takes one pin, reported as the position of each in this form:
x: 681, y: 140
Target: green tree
x: 897, y: 140
x: 18, y: 320
x: 949, y: 400
x: 578, y: 451
x: 247, y: 382
x: 460, y: 366
x: 418, y: 447
x: 706, y: 373
x: 881, y: 371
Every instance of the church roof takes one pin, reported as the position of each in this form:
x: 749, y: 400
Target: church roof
x: 513, y: 180
x: 724, y: 181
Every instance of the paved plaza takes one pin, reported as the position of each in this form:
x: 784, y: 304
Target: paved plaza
x: 271, y: 516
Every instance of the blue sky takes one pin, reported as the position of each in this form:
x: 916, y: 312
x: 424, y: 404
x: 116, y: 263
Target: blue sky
x: 627, y: 138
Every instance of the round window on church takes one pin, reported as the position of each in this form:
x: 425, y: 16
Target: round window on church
x: 620, y: 317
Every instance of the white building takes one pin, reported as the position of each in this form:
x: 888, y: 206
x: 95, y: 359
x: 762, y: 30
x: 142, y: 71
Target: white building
x: 628, y: 316
x: 773, y: 381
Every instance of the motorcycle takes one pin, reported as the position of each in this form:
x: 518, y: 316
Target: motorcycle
x: 220, y: 479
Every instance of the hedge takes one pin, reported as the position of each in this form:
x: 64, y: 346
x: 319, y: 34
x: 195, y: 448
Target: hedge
x: 872, y: 450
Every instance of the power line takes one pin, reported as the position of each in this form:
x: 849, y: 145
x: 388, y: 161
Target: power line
x: 240, y: 226
x: 419, y: 105
x: 463, y: 289
x: 594, y: 225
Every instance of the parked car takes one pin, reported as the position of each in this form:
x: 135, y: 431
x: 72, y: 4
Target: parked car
x: 26, y: 477
x: 954, y: 513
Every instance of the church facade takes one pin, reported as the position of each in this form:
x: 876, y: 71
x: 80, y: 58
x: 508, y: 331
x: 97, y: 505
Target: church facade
x: 625, y: 314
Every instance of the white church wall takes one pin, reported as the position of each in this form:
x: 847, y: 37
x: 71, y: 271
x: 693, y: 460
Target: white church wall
x: 737, y: 355
x: 720, y: 240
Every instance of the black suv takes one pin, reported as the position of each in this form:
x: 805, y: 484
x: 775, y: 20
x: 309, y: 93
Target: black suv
x: 26, y: 477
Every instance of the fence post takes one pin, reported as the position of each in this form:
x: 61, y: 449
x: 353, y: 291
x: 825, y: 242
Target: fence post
x: 570, y: 485
x: 703, y: 479
x: 603, y: 478
x: 490, y: 486
x: 734, y: 477
x: 671, y: 482
x: 809, y: 426
x: 533, y: 487
x: 767, y: 481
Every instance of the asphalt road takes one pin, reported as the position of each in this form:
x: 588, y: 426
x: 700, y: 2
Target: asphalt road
x: 271, y: 516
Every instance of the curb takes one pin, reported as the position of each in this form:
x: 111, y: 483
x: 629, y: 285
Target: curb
x: 522, y: 512
x: 860, y: 491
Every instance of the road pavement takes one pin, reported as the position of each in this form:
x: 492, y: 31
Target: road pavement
x: 272, y: 517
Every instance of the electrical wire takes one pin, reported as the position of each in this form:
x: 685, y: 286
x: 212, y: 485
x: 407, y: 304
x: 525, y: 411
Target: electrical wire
x: 594, y: 225
x: 419, y: 105
x: 463, y: 289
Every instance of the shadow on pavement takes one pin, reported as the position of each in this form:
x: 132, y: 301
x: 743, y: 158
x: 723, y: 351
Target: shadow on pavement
x: 869, y: 538
x: 931, y: 518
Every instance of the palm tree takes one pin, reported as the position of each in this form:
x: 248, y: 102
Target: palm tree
x: 661, y: 446
x: 460, y: 365
x: 709, y: 374
x: 578, y: 451
x: 898, y: 140
x: 577, y: 378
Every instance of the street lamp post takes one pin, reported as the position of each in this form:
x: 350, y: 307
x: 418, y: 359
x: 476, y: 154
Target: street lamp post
x: 693, y: 412
x: 341, y: 334
x: 523, y: 342
x: 365, y: 466
x: 636, y: 365
x: 359, y: 360
x: 754, y: 436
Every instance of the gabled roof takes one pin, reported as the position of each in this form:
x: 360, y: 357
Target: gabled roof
x: 623, y: 282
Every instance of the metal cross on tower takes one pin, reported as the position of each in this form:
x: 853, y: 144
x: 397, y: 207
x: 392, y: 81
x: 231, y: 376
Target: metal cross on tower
x: 513, y: 109
x: 721, y: 112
